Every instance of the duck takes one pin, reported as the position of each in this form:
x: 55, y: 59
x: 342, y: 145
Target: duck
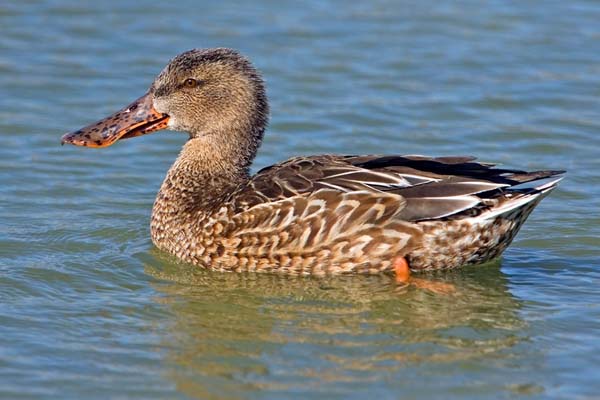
x: 313, y: 215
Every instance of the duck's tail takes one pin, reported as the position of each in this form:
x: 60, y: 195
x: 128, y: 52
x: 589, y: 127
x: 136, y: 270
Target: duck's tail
x: 525, y: 196
x: 483, y: 237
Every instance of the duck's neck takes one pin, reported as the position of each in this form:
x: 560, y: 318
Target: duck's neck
x: 206, y: 172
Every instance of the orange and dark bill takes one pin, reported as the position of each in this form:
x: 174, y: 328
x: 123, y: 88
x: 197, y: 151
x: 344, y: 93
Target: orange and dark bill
x: 138, y: 118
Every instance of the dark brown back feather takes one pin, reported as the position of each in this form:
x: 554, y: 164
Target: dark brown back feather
x: 431, y: 187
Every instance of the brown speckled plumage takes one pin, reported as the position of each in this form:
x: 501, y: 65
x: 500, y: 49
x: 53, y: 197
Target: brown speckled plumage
x: 313, y: 215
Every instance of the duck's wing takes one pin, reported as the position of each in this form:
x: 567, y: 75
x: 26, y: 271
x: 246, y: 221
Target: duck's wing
x: 426, y: 187
x: 351, y: 212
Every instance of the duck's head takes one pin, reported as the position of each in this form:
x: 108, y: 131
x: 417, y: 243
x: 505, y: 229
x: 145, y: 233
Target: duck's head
x: 211, y: 92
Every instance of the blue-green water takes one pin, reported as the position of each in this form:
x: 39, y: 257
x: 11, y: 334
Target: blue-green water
x: 88, y: 309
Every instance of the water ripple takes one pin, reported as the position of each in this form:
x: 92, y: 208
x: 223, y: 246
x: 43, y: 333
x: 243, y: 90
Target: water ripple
x: 89, y: 309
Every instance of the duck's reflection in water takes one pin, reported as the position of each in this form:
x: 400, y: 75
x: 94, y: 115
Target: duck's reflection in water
x: 232, y: 334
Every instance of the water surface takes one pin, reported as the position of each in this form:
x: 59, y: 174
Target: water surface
x: 89, y: 309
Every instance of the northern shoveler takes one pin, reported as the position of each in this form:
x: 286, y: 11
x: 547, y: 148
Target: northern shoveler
x: 314, y: 215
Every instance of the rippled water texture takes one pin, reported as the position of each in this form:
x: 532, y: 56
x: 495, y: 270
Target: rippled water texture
x: 88, y: 309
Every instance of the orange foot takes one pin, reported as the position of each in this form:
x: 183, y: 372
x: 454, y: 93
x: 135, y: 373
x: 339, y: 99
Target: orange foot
x: 402, y: 271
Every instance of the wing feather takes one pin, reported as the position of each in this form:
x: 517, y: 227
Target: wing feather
x: 427, y: 187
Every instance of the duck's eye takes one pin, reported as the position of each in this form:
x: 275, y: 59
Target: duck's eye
x: 190, y: 83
